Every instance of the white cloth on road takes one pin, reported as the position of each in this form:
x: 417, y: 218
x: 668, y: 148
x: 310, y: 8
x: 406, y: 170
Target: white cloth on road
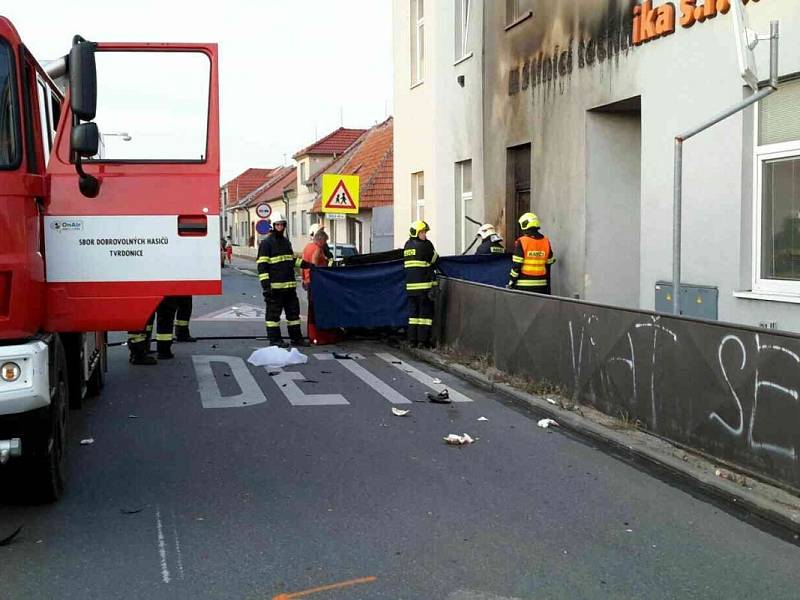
x: 277, y: 357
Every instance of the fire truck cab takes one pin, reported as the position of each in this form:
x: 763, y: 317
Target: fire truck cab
x: 109, y: 175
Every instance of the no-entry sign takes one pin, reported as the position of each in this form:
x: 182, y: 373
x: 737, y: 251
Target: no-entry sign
x: 264, y: 211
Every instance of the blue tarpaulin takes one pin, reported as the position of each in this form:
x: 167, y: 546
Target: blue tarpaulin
x: 372, y: 296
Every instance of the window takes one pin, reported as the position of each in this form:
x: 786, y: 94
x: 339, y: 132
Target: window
x: 463, y: 179
x: 462, y: 28
x: 304, y: 222
x: 303, y: 174
x: 49, y: 111
x: 417, y: 41
x: 153, y: 105
x: 293, y: 223
x: 513, y: 11
x: 418, y: 196
x: 9, y: 125
x: 777, y: 157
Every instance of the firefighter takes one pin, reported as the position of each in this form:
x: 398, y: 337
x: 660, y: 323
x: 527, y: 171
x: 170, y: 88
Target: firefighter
x: 420, y: 262
x: 139, y: 344
x: 183, y: 315
x: 533, y: 257
x: 492, y: 242
x: 165, y: 322
x: 276, y: 263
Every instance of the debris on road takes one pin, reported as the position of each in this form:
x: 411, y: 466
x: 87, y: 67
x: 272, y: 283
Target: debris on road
x: 134, y: 511
x: 442, y: 397
x: 87, y: 442
x: 133, y: 416
x: 437, y: 381
x: 277, y: 357
x: 545, y: 423
x: 551, y: 401
x: 482, y: 419
x: 399, y: 413
x: 8, y: 539
x: 340, y: 356
x: 459, y: 440
x: 731, y: 476
x: 273, y: 373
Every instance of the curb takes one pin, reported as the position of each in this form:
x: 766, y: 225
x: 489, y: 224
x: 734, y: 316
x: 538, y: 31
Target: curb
x: 785, y: 513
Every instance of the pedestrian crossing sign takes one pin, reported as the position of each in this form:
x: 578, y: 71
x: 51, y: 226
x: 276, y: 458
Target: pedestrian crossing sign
x: 340, y: 194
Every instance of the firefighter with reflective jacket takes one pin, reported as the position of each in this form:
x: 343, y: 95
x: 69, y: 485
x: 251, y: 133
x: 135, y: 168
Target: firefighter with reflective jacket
x: 420, y: 262
x: 276, y: 263
x: 533, y: 257
x: 492, y: 242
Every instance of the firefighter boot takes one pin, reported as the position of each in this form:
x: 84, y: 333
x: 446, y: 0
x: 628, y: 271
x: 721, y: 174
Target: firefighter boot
x: 164, y: 349
x: 182, y: 335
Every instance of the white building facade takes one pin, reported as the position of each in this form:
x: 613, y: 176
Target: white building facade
x: 572, y: 110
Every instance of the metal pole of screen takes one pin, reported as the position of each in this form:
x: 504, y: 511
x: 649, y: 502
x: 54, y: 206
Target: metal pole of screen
x: 771, y: 87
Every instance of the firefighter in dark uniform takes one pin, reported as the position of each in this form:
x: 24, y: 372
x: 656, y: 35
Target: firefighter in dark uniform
x: 492, y: 242
x: 533, y: 257
x: 183, y: 314
x: 276, y: 263
x: 420, y: 262
x: 139, y: 341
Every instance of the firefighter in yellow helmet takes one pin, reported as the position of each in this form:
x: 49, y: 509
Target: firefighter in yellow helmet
x: 420, y: 263
x: 533, y: 257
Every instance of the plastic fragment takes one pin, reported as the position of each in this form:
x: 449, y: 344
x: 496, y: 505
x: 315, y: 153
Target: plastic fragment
x: 545, y: 423
x: 551, y: 401
x: 399, y: 413
x: 458, y: 440
x: 482, y: 419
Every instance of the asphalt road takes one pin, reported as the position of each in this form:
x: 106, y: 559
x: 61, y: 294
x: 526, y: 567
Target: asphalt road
x: 210, y: 478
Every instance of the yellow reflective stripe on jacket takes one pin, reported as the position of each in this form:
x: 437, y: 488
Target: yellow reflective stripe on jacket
x: 425, y: 285
x: 263, y: 277
x: 410, y: 252
x: 411, y: 264
x: 435, y: 257
x: 136, y: 338
x: 551, y: 261
x: 421, y: 322
x: 284, y: 285
x: 532, y: 282
x: 274, y: 260
x: 163, y: 337
x: 262, y: 259
x: 518, y: 259
x: 298, y: 262
x: 514, y: 274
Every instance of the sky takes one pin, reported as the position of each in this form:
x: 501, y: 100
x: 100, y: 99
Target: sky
x: 290, y: 71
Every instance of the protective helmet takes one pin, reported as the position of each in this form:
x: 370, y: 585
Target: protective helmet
x: 278, y: 218
x: 418, y: 227
x: 486, y: 230
x: 529, y: 221
x: 312, y: 231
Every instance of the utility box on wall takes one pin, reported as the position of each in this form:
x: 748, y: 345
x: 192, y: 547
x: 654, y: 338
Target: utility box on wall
x: 696, y: 300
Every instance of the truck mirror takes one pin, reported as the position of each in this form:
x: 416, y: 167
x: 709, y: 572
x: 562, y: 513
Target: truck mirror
x: 83, y: 79
x: 85, y: 139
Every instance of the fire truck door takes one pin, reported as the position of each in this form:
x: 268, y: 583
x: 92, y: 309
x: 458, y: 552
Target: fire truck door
x: 152, y: 228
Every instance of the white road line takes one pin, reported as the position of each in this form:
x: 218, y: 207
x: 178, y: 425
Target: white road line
x: 210, y: 394
x: 162, y: 548
x: 297, y: 397
x: 383, y: 388
x: 423, y: 378
x: 178, y: 552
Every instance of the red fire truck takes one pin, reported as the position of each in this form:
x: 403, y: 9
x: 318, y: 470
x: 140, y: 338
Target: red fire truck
x: 93, y: 232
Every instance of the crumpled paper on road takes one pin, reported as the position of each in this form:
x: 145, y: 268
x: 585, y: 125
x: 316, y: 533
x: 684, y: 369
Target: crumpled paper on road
x: 545, y: 423
x: 277, y: 357
x: 459, y: 440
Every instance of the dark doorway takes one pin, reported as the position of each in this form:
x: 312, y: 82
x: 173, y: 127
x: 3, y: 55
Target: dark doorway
x: 518, y: 189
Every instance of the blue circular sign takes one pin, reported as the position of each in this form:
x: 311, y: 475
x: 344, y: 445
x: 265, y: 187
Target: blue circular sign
x: 263, y: 227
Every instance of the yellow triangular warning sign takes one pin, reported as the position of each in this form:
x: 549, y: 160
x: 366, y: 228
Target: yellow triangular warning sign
x: 340, y: 193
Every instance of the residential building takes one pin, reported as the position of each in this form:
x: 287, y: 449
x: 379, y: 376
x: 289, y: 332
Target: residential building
x: 231, y: 193
x: 309, y: 161
x: 579, y: 106
x: 371, y: 157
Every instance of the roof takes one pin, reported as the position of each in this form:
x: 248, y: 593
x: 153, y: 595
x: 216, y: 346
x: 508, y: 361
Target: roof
x: 372, y: 158
x: 244, y: 183
x: 332, y: 144
x: 283, y: 180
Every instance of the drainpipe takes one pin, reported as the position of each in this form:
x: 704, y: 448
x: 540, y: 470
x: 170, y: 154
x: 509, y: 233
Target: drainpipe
x: 771, y: 88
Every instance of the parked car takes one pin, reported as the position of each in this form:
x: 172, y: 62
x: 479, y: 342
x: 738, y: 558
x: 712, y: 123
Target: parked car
x: 341, y: 251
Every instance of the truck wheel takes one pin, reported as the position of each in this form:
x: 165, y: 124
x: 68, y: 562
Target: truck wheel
x: 47, y: 469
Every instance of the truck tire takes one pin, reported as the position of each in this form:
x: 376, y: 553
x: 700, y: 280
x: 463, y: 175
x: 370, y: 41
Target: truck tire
x: 45, y: 471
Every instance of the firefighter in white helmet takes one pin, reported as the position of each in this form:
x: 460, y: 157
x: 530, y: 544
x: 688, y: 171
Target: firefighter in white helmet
x: 276, y: 263
x: 492, y: 241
